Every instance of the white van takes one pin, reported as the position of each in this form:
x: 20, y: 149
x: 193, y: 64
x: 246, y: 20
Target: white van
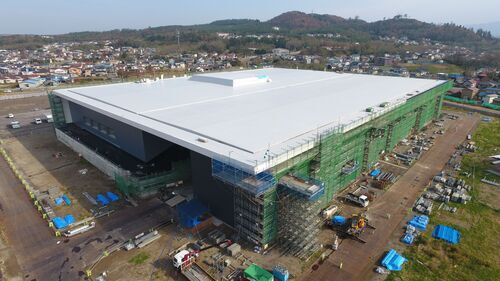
x: 38, y: 121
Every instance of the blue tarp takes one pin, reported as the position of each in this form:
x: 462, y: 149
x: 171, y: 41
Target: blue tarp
x: 69, y: 219
x: 393, y: 260
x: 446, y: 233
x: 112, y: 197
x: 419, y: 222
x: 408, y: 238
x: 191, y: 213
x: 102, y: 199
x: 375, y: 172
x: 66, y: 199
x: 339, y: 220
x: 59, y: 223
x: 58, y: 201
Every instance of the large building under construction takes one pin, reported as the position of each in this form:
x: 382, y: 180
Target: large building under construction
x: 265, y: 150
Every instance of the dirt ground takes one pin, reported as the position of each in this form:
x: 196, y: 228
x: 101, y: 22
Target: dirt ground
x: 35, y: 157
x: 23, y: 105
x: 489, y: 195
x: 389, y: 210
x: 159, y: 262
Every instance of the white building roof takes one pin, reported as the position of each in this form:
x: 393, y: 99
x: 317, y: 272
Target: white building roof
x: 254, y: 119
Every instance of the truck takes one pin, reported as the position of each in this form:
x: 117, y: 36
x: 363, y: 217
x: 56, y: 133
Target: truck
x: 329, y: 212
x: 358, y: 198
x: 48, y: 118
x: 79, y: 229
x: 186, y: 257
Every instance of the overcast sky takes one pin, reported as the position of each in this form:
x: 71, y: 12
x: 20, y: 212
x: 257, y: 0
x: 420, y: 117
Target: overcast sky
x: 61, y: 16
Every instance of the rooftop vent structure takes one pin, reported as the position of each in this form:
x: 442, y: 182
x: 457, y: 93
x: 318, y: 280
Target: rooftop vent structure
x: 234, y: 81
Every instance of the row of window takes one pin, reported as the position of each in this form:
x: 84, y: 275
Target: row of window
x: 99, y: 127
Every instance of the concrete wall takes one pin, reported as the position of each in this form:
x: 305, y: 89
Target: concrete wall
x: 95, y: 159
x: 216, y: 195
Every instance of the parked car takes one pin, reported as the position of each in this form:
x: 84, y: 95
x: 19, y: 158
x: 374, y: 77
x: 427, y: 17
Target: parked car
x: 38, y: 121
x: 15, y: 124
x: 10, y: 115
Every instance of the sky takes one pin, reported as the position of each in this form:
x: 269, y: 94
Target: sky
x: 62, y: 16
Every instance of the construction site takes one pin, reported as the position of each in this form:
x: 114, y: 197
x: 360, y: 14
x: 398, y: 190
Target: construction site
x: 261, y: 156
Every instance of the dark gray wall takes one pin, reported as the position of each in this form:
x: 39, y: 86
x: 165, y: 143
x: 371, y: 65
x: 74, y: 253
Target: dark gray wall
x: 215, y: 194
x: 142, y: 145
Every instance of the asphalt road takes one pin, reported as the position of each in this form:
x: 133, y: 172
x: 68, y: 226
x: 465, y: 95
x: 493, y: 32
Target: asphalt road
x: 38, y: 253
x: 359, y: 260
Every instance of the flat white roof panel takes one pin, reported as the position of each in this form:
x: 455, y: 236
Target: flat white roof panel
x: 244, y: 120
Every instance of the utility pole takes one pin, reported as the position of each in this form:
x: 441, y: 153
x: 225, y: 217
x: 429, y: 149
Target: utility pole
x: 178, y: 40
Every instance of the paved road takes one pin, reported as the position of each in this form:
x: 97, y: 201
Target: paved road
x: 37, y: 252
x: 479, y: 109
x: 359, y: 260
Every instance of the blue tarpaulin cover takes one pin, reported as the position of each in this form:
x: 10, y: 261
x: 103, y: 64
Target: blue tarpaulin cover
x: 375, y: 172
x: 419, y: 222
x: 393, y: 260
x: 58, y: 201
x: 59, y: 223
x: 102, y: 199
x: 339, y: 220
x: 69, y: 219
x: 112, y: 197
x: 66, y: 199
x: 191, y: 212
x: 408, y: 238
x: 446, y: 233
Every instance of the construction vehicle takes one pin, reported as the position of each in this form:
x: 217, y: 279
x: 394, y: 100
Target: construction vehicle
x: 358, y: 198
x: 79, y: 229
x: 354, y: 228
x: 185, y: 258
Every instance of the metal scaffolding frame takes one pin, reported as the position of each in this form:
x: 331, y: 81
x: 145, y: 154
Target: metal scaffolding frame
x: 268, y: 211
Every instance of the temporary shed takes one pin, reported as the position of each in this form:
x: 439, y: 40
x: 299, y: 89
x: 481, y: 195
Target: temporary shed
x: 257, y: 273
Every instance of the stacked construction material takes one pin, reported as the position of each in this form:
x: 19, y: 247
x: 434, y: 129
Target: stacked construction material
x: 393, y: 261
x: 416, y: 224
x: 419, y: 222
x: 60, y: 223
x: 447, y: 234
x: 112, y: 197
x: 102, y: 199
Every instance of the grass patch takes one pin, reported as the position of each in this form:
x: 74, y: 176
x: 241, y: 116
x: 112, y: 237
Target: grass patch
x: 434, y: 68
x: 139, y: 258
x: 476, y: 256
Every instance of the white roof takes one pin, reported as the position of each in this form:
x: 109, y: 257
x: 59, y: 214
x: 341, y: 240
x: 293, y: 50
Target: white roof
x: 253, y: 118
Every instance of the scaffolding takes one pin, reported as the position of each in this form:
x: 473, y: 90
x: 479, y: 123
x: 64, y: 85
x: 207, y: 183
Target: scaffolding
x: 283, y: 203
x: 56, y: 107
x: 255, y: 184
x: 299, y: 222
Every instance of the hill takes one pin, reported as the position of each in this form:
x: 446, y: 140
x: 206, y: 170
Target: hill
x: 293, y: 24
